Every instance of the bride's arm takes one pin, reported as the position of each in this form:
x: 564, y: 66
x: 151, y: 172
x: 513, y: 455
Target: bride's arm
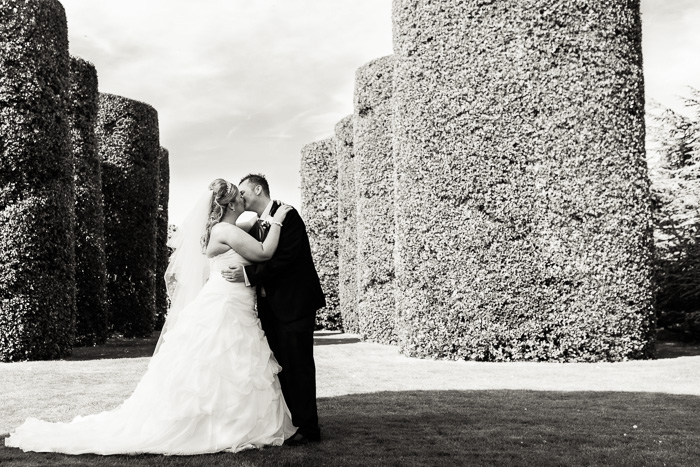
x: 249, y: 248
x: 245, y: 245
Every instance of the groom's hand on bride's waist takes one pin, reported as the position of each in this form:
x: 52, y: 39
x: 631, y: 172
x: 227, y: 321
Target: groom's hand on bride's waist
x: 233, y: 274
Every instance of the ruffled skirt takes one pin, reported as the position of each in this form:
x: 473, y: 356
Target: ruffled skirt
x: 212, y: 386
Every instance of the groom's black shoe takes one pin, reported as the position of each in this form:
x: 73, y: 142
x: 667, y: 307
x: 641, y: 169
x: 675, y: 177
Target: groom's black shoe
x: 299, y: 439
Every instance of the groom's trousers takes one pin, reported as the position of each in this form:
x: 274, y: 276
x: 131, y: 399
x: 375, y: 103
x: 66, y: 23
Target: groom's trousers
x: 293, y: 347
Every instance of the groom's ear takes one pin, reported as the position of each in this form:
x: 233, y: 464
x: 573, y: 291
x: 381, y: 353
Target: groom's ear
x: 257, y: 190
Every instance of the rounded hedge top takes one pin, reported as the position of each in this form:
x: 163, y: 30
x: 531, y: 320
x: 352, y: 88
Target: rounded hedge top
x: 374, y: 177
x: 343, y: 130
x: 374, y: 84
x: 319, y: 192
x: 91, y: 318
x: 130, y: 150
x: 37, y: 285
x: 34, y: 73
x: 347, y: 232
x: 520, y: 125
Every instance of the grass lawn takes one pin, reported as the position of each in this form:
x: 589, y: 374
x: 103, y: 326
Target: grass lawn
x: 511, y: 428
x: 372, y: 426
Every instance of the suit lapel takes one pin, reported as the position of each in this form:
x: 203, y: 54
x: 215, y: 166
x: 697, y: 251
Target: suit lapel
x: 273, y: 209
x: 262, y: 232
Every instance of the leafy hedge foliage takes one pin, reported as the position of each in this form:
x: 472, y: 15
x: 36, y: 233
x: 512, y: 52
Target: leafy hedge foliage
x: 37, y: 268
x: 162, y: 250
x: 347, y: 229
x: 128, y: 138
x: 519, y: 129
x: 675, y: 175
x: 374, y: 166
x: 90, y: 268
x: 319, y: 206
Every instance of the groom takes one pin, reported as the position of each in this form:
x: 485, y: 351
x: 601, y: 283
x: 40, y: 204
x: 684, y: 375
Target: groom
x: 289, y: 293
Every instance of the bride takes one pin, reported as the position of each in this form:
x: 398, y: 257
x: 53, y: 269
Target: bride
x: 212, y: 383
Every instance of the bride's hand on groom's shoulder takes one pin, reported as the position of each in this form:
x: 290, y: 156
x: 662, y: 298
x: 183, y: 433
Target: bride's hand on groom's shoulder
x: 282, y: 212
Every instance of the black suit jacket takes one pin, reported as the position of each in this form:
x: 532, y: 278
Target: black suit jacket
x: 292, y: 287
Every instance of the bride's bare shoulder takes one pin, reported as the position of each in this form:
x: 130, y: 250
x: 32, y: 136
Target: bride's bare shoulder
x: 226, y: 228
x: 224, y: 232
x: 222, y: 235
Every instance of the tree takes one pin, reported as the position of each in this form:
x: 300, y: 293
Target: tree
x: 674, y: 165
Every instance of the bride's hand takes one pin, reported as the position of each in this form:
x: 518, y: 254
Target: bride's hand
x: 282, y: 212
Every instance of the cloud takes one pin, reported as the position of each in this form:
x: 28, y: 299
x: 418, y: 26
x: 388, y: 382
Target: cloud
x: 238, y: 85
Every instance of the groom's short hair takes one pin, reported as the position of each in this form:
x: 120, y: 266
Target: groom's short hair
x: 257, y: 179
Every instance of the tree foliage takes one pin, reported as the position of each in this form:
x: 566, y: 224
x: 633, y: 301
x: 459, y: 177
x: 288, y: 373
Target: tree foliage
x: 674, y: 164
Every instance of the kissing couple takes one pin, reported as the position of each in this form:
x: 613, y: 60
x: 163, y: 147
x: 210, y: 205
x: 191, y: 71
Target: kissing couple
x: 233, y: 368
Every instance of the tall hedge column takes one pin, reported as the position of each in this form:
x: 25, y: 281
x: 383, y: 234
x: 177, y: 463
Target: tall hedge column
x: 319, y: 206
x: 374, y: 168
x: 162, y: 251
x: 523, y: 220
x: 37, y: 268
x: 347, y: 229
x: 90, y: 274
x: 128, y: 138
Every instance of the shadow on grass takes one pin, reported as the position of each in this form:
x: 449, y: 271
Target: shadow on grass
x: 120, y: 347
x: 334, y: 338
x: 117, y: 347
x: 476, y: 428
x: 668, y: 345
x: 672, y: 345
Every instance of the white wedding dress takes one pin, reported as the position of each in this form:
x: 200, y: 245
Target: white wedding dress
x: 211, y: 386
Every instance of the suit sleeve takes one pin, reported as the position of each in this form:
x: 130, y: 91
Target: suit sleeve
x: 287, y: 253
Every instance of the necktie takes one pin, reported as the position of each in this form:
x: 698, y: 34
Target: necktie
x: 263, y: 227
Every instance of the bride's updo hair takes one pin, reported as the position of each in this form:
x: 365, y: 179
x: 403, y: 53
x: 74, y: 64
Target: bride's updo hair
x: 223, y: 192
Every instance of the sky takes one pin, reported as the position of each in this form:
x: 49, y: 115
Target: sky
x: 241, y: 86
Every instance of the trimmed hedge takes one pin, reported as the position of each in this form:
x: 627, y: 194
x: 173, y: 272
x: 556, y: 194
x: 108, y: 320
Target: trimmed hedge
x: 90, y: 268
x: 127, y: 133
x: 37, y: 268
x: 162, y: 250
x: 319, y: 206
x: 347, y: 229
x: 374, y: 168
x: 523, y: 218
